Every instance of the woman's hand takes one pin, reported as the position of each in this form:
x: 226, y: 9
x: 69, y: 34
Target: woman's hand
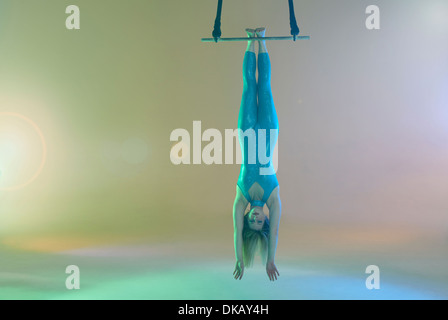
x: 239, y: 270
x: 272, y: 271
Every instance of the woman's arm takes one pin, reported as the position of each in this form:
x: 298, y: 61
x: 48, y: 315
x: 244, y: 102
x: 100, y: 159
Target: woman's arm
x: 275, y: 208
x: 239, y: 207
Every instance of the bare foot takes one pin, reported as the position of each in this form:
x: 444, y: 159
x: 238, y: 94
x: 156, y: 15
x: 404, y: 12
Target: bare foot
x: 260, y: 32
x: 262, y: 44
x: 250, y: 42
x: 250, y: 32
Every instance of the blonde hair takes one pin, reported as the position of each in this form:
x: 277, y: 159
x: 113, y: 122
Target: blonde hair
x: 253, y: 239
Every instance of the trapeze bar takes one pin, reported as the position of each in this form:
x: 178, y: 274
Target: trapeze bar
x: 254, y: 38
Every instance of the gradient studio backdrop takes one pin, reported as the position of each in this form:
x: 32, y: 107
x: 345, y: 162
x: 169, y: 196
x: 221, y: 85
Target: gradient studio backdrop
x: 363, y: 149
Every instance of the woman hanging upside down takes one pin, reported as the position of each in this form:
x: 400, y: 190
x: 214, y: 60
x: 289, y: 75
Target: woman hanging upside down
x: 257, y: 112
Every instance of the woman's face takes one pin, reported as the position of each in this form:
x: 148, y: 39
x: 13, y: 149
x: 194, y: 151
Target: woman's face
x: 256, y: 218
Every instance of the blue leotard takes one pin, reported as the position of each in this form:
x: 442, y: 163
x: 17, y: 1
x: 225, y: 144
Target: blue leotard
x: 257, y: 112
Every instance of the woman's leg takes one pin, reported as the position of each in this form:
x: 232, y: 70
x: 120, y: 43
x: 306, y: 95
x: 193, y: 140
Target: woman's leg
x: 267, y: 116
x: 248, y: 110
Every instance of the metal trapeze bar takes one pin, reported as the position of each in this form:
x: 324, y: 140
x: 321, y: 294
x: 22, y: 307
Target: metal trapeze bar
x: 255, y: 39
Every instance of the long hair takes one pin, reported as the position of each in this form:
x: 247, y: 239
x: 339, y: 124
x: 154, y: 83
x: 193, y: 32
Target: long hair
x: 253, y: 239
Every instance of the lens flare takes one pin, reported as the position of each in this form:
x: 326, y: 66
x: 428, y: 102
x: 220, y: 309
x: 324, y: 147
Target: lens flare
x: 44, y: 151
